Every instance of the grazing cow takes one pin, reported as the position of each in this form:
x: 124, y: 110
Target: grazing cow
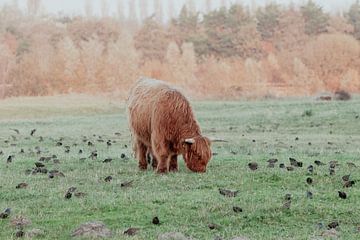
x: 163, y: 124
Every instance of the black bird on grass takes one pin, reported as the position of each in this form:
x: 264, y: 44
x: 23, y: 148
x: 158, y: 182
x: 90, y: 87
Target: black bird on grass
x: 228, y: 193
x: 342, y: 195
x: 253, y: 166
x: 310, y: 169
x: 10, y: 158
x: 319, y: 163
x: 32, y: 132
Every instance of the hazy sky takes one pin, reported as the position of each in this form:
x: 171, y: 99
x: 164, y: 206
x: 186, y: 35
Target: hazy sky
x: 75, y: 7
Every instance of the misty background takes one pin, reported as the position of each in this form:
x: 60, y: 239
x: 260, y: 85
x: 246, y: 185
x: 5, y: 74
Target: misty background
x: 71, y: 7
x: 212, y: 49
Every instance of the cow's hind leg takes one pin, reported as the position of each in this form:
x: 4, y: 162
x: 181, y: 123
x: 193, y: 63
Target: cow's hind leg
x: 173, y: 164
x: 141, y: 155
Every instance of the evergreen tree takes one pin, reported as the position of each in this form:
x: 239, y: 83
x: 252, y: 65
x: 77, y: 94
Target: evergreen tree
x: 353, y: 17
x: 316, y: 21
x: 151, y: 40
x: 268, y: 20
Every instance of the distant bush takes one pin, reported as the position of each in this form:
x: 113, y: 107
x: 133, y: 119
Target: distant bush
x: 342, y: 95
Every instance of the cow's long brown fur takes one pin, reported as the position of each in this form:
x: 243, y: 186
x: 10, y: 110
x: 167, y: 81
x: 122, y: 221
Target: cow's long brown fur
x: 161, y: 119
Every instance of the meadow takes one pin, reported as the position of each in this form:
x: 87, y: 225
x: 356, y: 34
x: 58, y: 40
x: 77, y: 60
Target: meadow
x: 256, y: 131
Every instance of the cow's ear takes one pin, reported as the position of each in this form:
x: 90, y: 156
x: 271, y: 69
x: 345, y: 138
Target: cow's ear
x: 189, y: 141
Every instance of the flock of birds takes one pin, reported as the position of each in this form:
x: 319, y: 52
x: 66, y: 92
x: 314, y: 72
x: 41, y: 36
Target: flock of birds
x: 40, y: 168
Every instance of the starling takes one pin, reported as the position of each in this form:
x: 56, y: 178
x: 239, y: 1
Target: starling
x: 108, y: 179
x: 310, y: 169
x: 123, y: 155
x: 213, y: 226
x: 131, y: 231
x: 272, y: 160
x: 32, y: 132
x: 156, y: 221
x: 5, y: 213
x: 21, y: 185
x: 342, y: 195
x: 10, y: 158
x: 93, y: 155
x: 309, y: 195
x: 290, y: 168
x: 309, y: 180
x: 319, y: 163
x: 68, y: 195
x: 253, y: 166
x: 39, y: 164
x: 271, y: 165
x: 349, y: 184
x: 345, y: 178
x: 20, y: 234
x: 107, y: 160
x: 127, y: 183
x: 79, y: 194
x: 281, y: 165
x: 90, y: 143
x: 108, y: 143
x: 333, y: 225
x: 71, y: 189
x: 287, y: 201
x: 228, y: 193
x: 237, y: 209
x: 293, y: 162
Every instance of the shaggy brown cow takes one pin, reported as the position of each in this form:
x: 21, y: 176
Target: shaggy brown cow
x: 163, y: 124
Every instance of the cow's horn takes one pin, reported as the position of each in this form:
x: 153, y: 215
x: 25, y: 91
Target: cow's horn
x: 212, y: 139
x: 190, y: 140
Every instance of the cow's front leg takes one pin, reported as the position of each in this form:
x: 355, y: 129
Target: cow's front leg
x: 163, y: 164
x: 173, y: 164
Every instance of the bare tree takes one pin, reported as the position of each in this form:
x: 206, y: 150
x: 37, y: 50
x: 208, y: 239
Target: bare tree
x: 88, y: 8
x: 33, y: 7
x: 120, y: 10
x: 104, y: 8
x: 144, y: 11
x: 208, y: 5
x: 191, y: 6
x: 171, y: 9
x: 132, y: 11
x: 158, y: 10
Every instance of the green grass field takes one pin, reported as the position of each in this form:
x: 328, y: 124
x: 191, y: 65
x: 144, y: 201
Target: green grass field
x: 184, y: 201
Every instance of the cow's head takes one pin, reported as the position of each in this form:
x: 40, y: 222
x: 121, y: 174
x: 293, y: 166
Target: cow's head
x: 197, y: 153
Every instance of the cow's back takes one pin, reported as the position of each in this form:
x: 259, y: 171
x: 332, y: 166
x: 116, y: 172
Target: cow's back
x: 143, y: 99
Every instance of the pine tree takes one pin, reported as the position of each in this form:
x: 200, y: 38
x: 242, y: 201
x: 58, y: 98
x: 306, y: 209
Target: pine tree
x: 268, y: 20
x: 353, y: 17
x: 151, y: 40
x: 316, y: 21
